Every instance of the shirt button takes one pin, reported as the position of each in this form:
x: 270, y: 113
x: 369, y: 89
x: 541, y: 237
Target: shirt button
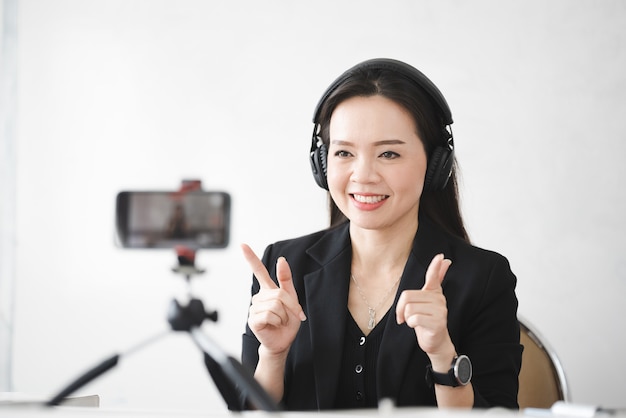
x: 362, y: 341
x: 358, y: 368
x: 359, y: 396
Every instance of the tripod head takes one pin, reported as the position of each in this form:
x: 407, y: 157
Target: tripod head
x: 185, y: 317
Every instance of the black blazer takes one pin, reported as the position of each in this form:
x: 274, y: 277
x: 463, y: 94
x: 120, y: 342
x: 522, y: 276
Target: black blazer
x: 482, y: 320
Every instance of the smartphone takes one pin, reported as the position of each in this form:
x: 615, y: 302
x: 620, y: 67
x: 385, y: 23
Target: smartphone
x: 165, y: 219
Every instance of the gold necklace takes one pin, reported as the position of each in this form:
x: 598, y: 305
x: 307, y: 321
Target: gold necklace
x: 371, y: 323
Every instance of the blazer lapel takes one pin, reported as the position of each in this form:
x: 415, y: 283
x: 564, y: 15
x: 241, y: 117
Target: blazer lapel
x: 327, y: 301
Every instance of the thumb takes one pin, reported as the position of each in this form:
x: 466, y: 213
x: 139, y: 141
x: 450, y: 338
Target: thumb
x: 285, y: 281
x: 436, y: 272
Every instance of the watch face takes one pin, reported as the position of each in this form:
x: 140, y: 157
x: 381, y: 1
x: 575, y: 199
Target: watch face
x: 463, y: 370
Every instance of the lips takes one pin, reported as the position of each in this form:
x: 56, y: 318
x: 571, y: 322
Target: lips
x: 369, y: 199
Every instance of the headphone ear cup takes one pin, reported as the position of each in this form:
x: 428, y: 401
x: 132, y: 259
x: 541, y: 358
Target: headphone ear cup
x: 438, y: 170
x: 319, y: 165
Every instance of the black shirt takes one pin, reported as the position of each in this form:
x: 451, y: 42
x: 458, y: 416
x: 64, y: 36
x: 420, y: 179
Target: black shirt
x: 357, y: 379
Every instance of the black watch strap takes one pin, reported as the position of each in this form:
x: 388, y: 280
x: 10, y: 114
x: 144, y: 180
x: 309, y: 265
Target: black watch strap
x: 460, y: 373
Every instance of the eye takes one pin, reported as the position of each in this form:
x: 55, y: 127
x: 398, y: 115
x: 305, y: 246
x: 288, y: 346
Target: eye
x: 342, y: 154
x: 390, y: 155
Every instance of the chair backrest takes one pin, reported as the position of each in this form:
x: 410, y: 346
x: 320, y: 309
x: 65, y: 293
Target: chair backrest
x: 542, y: 380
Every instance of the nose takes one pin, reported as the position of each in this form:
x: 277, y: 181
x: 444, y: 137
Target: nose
x: 364, y: 171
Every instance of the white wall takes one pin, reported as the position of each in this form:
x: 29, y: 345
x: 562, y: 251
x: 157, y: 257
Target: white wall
x: 8, y: 104
x: 117, y: 95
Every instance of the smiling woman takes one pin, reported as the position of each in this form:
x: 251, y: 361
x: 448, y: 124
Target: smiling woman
x: 324, y: 331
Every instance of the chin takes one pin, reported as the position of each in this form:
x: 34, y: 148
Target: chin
x: 369, y: 224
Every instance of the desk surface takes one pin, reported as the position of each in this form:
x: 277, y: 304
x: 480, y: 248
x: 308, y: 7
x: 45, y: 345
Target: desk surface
x: 74, y: 412
x: 36, y: 411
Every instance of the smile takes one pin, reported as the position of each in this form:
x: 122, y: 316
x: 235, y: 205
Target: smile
x: 370, y: 199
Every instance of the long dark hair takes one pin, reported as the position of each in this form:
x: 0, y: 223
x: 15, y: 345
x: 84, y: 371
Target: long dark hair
x: 441, y: 206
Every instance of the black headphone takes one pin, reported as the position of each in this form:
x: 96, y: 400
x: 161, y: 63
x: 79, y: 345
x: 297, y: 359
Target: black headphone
x: 441, y: 158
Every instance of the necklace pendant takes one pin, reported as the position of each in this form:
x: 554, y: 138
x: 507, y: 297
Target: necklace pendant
x: 372, y: 321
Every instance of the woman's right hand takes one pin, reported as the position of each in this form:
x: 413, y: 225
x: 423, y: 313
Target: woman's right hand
x: 275, y: 313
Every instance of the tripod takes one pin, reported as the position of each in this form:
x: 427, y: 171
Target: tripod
x: 235, y: 383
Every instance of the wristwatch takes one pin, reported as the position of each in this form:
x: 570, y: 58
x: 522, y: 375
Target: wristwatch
x: 460, y: 373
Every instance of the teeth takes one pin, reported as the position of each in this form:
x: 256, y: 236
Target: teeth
x: 368, y: 199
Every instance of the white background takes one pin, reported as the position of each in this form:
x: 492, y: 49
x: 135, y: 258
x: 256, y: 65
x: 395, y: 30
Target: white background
x: 137, y: 95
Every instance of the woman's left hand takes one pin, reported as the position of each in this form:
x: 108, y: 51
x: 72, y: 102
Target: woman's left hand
x: 425, y: 311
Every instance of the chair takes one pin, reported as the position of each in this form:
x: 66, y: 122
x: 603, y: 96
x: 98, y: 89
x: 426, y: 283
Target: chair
x: 542, y: 380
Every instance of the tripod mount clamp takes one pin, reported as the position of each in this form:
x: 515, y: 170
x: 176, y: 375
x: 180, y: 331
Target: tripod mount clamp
x: 185, y: 317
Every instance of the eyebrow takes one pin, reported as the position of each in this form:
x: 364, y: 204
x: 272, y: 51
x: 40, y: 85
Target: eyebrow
x: 377, y: 143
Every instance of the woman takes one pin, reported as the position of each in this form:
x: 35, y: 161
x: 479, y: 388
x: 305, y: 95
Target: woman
x: 392, y: 301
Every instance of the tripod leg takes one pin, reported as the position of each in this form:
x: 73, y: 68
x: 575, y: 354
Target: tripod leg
x: 95, y: 372
x: 234, y: 381
x: 87, y: 377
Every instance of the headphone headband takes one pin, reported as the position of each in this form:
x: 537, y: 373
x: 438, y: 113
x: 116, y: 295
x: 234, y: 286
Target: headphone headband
x: 402, y: 68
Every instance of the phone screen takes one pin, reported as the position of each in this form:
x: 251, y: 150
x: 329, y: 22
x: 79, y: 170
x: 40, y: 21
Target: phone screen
x: 165, y: 219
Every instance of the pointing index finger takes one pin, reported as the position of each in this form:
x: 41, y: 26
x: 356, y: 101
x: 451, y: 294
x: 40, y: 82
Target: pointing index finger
x: 436, y: 272
x: 258, y: 268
